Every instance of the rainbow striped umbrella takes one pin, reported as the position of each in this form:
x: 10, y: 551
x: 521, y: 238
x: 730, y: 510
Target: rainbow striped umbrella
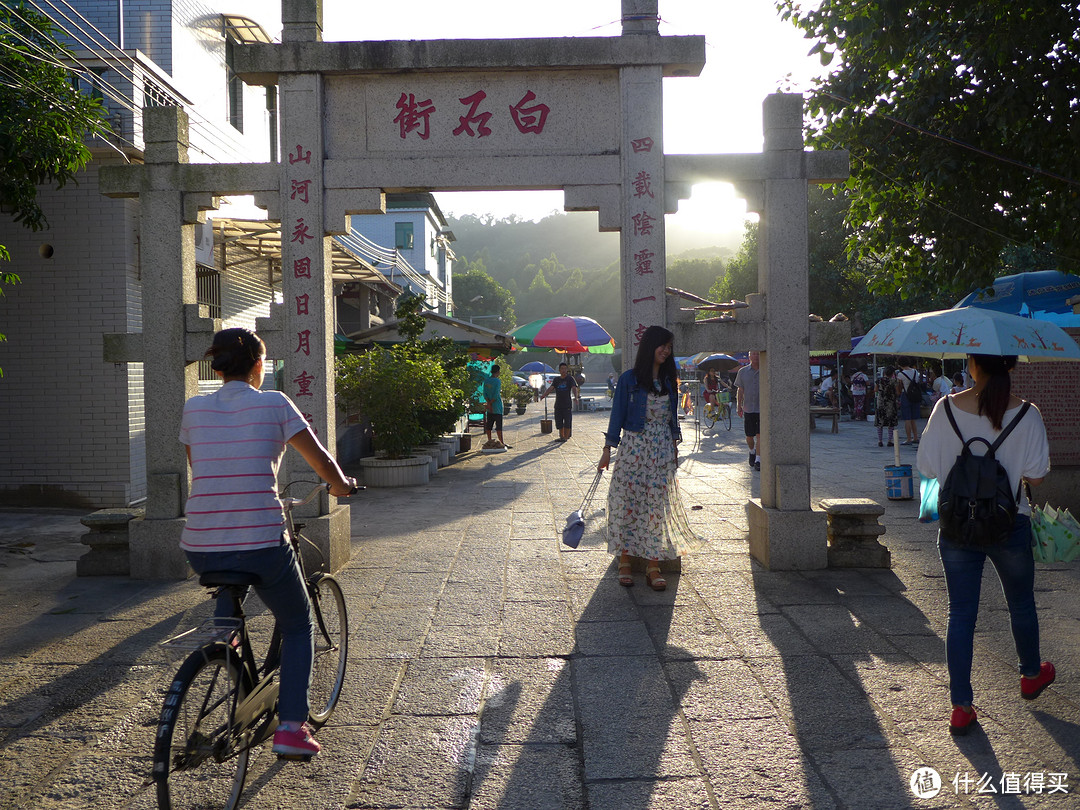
x: 572, y: 334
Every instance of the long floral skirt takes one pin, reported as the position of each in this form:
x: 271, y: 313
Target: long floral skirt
x: 645, y: 514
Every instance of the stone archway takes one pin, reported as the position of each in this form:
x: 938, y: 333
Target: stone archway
x: 359, y: 119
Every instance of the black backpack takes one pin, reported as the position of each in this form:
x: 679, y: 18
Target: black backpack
x: 976, y: 504
x: 914, y: 390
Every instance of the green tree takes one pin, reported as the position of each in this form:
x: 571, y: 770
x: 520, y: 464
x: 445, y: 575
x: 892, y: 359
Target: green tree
x: 740, y: 277
x: 962, y: 124
x: 477, y: 293
x: 44, y: 119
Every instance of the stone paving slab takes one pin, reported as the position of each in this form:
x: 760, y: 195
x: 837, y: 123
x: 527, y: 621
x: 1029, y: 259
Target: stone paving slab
x: 491, y: 667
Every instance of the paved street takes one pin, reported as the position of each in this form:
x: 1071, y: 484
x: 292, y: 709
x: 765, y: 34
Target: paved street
x: 492, y: 668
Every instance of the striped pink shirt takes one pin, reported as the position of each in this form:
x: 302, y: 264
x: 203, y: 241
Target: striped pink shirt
x: 237, y: 436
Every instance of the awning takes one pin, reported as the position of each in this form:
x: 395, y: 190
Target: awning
x: 478, y: 339
x: 251, y: 240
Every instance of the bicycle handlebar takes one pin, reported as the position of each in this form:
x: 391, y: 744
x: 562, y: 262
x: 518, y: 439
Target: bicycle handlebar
x: 293, y: 503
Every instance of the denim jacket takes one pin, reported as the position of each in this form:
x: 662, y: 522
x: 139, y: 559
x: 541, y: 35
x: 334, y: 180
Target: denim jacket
x: 628, y: 410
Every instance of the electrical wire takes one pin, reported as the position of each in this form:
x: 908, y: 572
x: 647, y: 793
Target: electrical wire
x: 124, y: 66
x: 950, y: 140
x: 898, y: 184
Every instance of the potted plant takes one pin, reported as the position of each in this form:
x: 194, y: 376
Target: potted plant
x: 387, y: 385
x: 522, y: 397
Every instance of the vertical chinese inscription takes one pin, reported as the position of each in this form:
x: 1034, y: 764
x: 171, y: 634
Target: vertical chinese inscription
x: 302, y: 380
x: 643, y: 205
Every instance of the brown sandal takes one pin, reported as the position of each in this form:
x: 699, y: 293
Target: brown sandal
x: 654, y: 578
x: 626, y: 578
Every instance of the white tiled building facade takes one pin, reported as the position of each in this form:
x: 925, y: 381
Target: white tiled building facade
x: 73, y: 427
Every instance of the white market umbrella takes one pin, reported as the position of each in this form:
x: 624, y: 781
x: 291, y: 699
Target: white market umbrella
x: 957, y: 333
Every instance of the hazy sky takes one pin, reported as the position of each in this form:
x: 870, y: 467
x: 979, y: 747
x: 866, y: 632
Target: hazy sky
x: 749, y: 53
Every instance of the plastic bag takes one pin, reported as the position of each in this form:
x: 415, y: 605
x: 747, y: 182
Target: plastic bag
x: 1055, y: 535
x: 928, y: 506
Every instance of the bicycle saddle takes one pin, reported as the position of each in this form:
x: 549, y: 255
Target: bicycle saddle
x: 216, y: 579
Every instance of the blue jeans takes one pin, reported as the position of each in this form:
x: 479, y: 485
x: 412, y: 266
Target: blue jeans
x: 1015, y: 568
x: 282, y: 590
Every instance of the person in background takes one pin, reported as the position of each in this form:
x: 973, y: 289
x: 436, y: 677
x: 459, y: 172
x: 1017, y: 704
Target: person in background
x: 957, y: 383
x: 564, y: 386
x: 748, y: 385
x: 886, y: 404
x: 235, y: 439
x: 493, y: 405
x: 611, y: 386
x: 939, y: 385
x: 859, y: 381
x: 711, y: 387
x: 827, y: 390
x: 1025, y: 454
x: 909, y: 411
x: 645, y: 515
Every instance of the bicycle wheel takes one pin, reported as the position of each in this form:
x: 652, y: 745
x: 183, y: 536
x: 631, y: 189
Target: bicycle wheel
x: 725, y: 416
x: 331, y: 648
x: 196, y: 759
x: 710, y: 415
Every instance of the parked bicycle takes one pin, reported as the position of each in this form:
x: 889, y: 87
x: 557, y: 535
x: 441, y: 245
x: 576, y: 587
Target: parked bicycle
x: 223, y: 704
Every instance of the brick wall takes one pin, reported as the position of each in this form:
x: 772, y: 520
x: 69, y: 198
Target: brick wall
x: 1055, y: 388
x: 68, y: 434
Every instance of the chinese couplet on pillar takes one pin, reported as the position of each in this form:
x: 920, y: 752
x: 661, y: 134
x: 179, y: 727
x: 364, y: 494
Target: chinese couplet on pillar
x: 642, y: 238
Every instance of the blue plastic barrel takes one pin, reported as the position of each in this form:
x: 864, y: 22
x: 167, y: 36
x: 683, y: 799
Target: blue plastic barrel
x: 899, y: 485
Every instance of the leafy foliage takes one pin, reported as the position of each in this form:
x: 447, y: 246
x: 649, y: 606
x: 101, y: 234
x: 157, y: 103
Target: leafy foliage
x: 477, y: 293
x: 411, y: 392
x: 587, y: 284
x: 389, y: 386
x: 838, y: 283
x: 962, y: 123
x: 43, y: 117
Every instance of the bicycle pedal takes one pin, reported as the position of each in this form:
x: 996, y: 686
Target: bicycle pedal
x: 295, y: 757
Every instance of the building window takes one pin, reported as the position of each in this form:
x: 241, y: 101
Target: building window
x: 235, y: 87
x: 403, y: 235
x: 208, y: 293
x: 272, y: 121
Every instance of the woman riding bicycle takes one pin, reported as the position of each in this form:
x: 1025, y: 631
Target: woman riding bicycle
x: 712, y: 387
x: 235, y: 440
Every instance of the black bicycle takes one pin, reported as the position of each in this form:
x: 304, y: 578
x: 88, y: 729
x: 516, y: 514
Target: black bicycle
x: 222, y: 703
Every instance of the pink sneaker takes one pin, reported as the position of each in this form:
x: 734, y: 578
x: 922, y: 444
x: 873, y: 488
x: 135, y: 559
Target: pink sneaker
x: 1031, y: 688
x: 295, y: 743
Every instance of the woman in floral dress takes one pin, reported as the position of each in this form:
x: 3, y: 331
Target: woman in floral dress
x: 887, y: 405
x: 645, y: 515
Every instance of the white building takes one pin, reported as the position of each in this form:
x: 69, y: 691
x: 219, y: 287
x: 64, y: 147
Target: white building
x: 73, y: 427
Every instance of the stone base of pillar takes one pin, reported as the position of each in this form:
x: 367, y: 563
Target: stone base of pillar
x: 332, y: 534
x: 110, y: 548
x: 155, y: 549
x: 853, y: 533
x: 787, y: 540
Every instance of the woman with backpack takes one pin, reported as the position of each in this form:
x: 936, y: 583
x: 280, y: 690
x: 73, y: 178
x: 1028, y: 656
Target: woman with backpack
x: 986, y: 412
x: 910, y: 399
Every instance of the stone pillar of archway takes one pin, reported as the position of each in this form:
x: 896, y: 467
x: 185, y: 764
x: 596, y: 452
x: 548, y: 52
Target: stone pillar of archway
x: 785, y: 533
x: 641, y: 240
x: 167, y: 259
x: 306, y: 343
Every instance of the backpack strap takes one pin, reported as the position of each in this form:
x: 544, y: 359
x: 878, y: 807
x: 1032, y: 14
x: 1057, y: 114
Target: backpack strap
x: 1004, y: 433
x: 1008, y: 428
x: 952, y: 420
